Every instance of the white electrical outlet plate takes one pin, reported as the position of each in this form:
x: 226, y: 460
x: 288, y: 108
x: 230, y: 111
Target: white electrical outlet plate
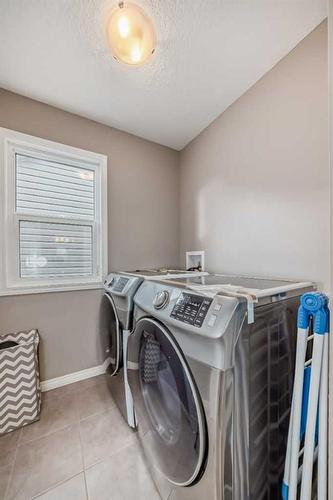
x: 195, y: 259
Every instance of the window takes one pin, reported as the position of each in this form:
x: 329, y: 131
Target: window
x: 53, y: 216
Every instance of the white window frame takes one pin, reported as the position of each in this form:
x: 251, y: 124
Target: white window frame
x: 11, y: 143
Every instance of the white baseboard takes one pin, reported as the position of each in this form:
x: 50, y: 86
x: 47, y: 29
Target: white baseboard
x: 53, y: 383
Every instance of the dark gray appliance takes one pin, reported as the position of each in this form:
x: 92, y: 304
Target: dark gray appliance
x: 120, y: 289
x: 211, y: 392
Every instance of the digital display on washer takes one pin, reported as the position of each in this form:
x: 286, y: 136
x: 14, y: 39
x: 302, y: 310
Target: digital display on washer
x: 120, y: 284
x: 191, y: 309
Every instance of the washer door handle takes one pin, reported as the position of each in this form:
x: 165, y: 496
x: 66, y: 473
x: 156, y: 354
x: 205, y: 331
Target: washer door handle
x: 116, y: 366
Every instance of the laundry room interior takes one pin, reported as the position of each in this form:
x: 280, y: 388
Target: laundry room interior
x: 166, y: 250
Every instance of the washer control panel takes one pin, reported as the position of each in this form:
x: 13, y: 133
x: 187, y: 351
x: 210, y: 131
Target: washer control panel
x: 191, y: 309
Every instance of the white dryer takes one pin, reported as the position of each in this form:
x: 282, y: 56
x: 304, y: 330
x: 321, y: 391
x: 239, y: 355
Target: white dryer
x: 120, y: 289
x: 212, y: 392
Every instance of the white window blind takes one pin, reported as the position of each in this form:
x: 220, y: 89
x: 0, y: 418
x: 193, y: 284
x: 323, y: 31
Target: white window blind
x: 54, y: 189
x: 51, y: 188
x: 53, y: 215
x: 49, y: 249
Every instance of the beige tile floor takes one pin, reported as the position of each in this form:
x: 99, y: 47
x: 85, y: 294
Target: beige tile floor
x: 80, y: 449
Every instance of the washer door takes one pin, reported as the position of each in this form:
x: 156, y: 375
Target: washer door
x: 115, y: 343
x: 175, y: 437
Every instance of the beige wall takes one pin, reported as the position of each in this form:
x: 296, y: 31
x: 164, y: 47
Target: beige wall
x: 254, y: 193
x: 143, y: 228
x: 255, y: 184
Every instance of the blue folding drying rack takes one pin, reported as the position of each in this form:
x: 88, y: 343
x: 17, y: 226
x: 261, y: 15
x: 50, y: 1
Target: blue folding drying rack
x: 308, y: 417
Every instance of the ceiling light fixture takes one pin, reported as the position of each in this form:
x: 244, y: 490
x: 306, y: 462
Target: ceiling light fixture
x: 131, y: 34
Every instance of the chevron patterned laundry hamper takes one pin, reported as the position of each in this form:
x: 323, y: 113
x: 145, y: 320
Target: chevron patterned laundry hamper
x: 20, y: 395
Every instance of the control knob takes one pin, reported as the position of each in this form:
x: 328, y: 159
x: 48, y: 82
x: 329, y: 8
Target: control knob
x: 161, y: 299
x: 111, y: 282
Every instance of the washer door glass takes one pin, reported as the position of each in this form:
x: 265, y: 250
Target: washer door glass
x: 114, y: 347
x: 175, y: 438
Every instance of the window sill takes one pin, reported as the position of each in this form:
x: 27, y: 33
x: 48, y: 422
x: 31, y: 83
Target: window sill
x: 48, y: 289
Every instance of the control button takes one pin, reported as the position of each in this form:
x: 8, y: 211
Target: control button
x: 161, y: 299
x: 198, y: 323
x: 217, y: 307
x: 212, y: 319
x: 191, y: 309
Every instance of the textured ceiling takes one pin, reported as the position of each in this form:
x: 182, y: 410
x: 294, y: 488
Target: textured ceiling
x: 209, y: 53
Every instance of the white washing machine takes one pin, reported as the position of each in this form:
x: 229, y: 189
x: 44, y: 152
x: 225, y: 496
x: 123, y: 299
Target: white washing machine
x: 120, y: 288
x: 211, y: 392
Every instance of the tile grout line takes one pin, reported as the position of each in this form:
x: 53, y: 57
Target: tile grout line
x: 99, y: 412
x: 29, y: 441
x: 85, y: 484
x: 107, y: 457
x: 81, y: 448
x: 47, y: 435
x: 53, y: 432
x: 83, y: 462
x: 55, y: 486
x: 78, y: 420
x: 13, y: 465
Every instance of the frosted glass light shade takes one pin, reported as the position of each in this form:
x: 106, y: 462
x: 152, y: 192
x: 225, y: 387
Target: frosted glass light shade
x: 131, y: 34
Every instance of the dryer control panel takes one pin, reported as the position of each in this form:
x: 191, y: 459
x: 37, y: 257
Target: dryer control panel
x: 115, y: 283
x: 120, y: 284
x: 191, y: 309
